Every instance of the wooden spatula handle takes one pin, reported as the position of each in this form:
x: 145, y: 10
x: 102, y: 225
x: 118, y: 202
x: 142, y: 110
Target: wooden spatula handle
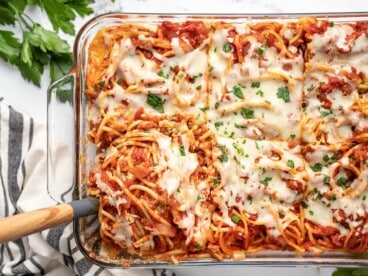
x: 17, y: 226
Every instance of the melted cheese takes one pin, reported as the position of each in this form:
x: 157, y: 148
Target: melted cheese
x: 252, y: 181
x: 339, y: 120
x: 179, y: 169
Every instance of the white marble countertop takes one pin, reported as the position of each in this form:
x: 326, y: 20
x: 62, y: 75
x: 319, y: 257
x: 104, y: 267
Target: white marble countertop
x: 31, y: 100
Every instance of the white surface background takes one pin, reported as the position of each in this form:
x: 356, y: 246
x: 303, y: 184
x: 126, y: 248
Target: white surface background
x: 31, y: 100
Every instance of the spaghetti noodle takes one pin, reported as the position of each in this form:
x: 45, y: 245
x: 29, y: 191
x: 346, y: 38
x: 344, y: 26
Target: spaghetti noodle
x: 219, y: 139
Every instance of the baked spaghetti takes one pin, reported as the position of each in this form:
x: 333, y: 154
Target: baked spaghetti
x: 216, y: 139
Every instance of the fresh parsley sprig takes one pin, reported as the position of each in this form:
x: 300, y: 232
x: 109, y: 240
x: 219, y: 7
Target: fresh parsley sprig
x: 37, y: 47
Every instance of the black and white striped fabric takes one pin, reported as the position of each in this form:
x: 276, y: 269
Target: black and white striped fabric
x: 23, y: 188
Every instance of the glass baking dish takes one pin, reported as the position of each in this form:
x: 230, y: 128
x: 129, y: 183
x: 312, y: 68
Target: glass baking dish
x: 66, y: 97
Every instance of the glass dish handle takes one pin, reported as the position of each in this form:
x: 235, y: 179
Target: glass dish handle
x: 61, y: 144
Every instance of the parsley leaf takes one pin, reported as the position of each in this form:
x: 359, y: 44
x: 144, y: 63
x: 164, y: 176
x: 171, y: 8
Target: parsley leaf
x: 324, y: 113
x: 326, y: 178
x: 26, y: 50
x: 332, y: 197
x: 81, y: 6
x: 9, y: 47
x: 162, y: 74
x: 218, y: 124
x: 50, y: 41
x: 237, y: 91
x: 316, y: 167
x: 155, y: 102
x: 255, y: 84
x: 32, y: 73
x: 247, y: 113
x: 62, y: 13
x: 260, y: 50
x: 283, y: 93
x: 266, y: 181
x: 290, y: 163
x: 260, y: 93
x: 342, y: 181
x: 304, y: 205
x: 182, y: 150
x: 224, y: 155
x: 60, y: 65
x: 37, y: 47
x: 6, y: 16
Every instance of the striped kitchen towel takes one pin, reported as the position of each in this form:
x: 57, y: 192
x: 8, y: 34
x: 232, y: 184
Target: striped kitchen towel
x: 23, y: 188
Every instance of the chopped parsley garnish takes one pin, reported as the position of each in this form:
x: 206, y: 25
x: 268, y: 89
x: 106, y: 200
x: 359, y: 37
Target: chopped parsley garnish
x: 334, y: 157
x: 316, y: 167
x: 332, y: 197
x: 197, y: 76
x: 266, y: 181
x: 239, y: 126
x: 216, y: 105
x: 341, y: 182
x: 218, y: 124
x: 204, y: 109
x: 199, y: 197
x: 292, y: 136
x: 198, y: 246
x: 156, y: 102
x: 257, y: 147
x: 227, y: 47
x: 283, y: 93
x: 215, y: 182
x: 237, y: 91
x: 255, y: 84
x: 162, y: 74
x: 238, y: 149
x: 199, y: 87
x: 247, y: 113
x: 326, y: 158
x: 326, y: 178
x: 311, y: 212
x: 304, y: 205
x: 235, y: 218
x: 260, y: 93
x: 310, y: 88
x: 290, y: 164
x: 99, y: 86
x: 319, y: 195
x: 182, y: 150
x: 324, y: 113
x: 224, y: 156
x: 332, y: 24
x: 260, y: 50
